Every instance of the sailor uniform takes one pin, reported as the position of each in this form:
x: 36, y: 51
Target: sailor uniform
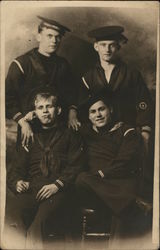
x: 131, y: 99
x: 33, y: 70
x: 113, y: 165
x: 56, y: 156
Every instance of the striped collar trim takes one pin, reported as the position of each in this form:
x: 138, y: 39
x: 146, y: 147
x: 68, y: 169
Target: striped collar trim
x: 116, y: 126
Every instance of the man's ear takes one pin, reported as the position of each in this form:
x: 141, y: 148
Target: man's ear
x: 59, y: 110
x: 38, y: 37
x: 96, y: 46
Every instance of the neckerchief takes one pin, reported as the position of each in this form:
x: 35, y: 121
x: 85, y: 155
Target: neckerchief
x: 47, y: 151
x: 37, y: 65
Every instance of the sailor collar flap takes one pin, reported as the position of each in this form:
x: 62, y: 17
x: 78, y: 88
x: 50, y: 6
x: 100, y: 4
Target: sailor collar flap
x: 116, y: 126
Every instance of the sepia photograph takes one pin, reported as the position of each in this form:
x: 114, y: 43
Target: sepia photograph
x: 79, y: 125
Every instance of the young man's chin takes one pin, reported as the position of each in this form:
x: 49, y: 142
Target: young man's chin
x: 107, y: 59
x: 53, y: 49
x: 100, y: 125
x: 47, y: 124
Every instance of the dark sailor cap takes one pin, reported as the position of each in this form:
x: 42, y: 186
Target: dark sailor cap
x: 108, y: 33
x: 107, y: 98
x: 52, y: 24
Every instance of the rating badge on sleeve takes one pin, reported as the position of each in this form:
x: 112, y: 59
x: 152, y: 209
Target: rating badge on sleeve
x: 143, y: 105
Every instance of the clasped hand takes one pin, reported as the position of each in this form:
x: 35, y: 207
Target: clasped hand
x: 46, y: 191
x: 22, y: 186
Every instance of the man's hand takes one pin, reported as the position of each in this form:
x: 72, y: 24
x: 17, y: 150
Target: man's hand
x: 22, y: 186
x: 145, y: 136
x: 30, y: 116
x: 72, y: 120
x: 46, y: 191
x: 26, y: 132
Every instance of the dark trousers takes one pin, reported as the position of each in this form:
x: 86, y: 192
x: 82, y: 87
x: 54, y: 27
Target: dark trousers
x: 37, y: 218
x: 126, y: 222
x: 87, y: 197
x: 101, y: 219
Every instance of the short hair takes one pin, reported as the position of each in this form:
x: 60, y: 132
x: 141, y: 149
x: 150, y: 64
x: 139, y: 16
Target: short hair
x: 40, y: 27
x: 117, y: 43
x: 46, y: 96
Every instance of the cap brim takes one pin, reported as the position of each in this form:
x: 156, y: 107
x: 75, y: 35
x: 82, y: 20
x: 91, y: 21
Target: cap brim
x: 54, y: 23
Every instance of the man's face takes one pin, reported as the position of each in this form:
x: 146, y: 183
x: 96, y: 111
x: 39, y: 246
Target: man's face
x: 106, y: 50
x: 45, y: 110
x: 99, y: 114
x: 49, y: 40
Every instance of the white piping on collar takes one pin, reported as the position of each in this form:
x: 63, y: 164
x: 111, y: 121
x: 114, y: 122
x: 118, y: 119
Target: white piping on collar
x: 116, y: 126
x: 128, y: 130
x: 95, y: 128
x: 85, y: 83
x: 19, y: 65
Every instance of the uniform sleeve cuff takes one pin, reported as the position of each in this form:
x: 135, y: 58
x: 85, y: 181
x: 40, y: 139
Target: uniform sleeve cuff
x: 101, y: 173
x: 146, y: 129
x: 17, y: 117
x: 73, y: 107
x: 59, y: 184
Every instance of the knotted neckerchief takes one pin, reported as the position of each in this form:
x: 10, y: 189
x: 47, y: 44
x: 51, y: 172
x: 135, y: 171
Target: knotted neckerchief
x: 41, y: 71
x: 47, y: 157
